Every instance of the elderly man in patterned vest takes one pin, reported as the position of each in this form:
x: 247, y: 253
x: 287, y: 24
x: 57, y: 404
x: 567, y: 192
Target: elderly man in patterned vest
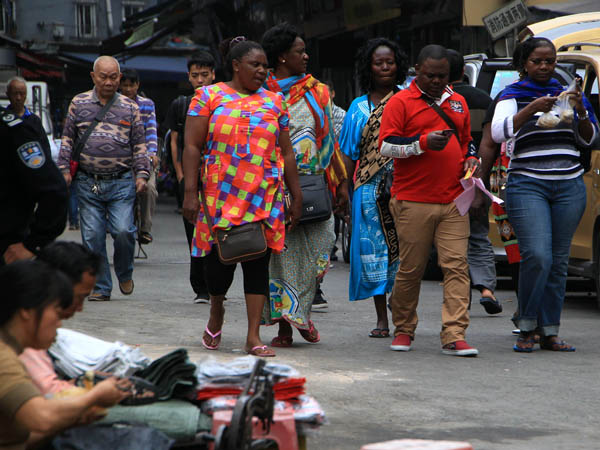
x: 113, y: 166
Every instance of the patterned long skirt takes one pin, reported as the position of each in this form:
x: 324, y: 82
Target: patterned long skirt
x: 295, y: 272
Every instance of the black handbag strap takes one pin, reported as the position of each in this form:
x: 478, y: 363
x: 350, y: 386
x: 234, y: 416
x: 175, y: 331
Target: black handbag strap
x: 431, y: 102
x: 99, y: 116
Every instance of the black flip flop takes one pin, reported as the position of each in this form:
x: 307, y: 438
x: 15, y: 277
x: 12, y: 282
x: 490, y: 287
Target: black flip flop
x: 380, y: 333
x: 492, y: 306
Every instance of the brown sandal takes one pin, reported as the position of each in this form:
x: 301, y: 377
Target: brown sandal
x: 311, y: 335
x: 282, y: 341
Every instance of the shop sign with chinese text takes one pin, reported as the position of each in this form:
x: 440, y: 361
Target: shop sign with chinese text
x: 506, y: 19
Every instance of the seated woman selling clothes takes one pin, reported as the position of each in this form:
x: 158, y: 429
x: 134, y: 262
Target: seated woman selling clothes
x: 31, y: 304
x: 81, y: 264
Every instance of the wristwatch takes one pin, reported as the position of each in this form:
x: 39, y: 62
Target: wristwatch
x: 585, y: 116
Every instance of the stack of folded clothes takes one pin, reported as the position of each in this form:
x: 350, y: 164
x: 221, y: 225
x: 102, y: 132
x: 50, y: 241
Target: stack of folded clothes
x: 76, y: 353
x: 216, y: 379
x: 173, y: 375
x: 219, y: 385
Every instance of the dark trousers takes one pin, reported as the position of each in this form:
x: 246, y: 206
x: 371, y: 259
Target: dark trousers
x: 196, y: 264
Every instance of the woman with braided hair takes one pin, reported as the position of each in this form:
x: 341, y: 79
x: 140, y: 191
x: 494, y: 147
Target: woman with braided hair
x: 381, y: 67
x: 296, y: 271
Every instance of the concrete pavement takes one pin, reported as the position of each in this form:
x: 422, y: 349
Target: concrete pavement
x: 499, y: 400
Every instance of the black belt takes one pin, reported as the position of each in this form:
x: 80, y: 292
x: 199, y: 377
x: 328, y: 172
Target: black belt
x: 105, y: 176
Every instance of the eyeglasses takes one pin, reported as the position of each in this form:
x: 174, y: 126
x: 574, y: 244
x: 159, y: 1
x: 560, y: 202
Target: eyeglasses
x: 539, y: 62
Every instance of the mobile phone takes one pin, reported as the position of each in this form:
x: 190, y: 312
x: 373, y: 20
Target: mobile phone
x: 447, y: 133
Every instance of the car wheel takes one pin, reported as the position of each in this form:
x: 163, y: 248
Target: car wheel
x: 346, y: 236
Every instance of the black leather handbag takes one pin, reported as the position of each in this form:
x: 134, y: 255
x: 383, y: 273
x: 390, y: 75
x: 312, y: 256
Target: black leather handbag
x: 316, y: 200
x: 239, y: 243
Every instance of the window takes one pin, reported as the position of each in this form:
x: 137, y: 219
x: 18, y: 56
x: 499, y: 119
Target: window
x: 7, y: 16
x: 86, y: 20
x: 132, y: 7
x: 503, y: 78
x: 591, y: 90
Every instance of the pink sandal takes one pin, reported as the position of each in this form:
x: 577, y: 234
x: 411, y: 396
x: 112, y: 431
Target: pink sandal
x: 261, y: 351
x: 213, y: 337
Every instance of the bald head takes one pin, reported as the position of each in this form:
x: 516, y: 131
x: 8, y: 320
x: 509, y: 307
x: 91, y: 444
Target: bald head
x: 15, y: 82
x: 16, y: 91
x: 106, y: 76
x: 102, y: 61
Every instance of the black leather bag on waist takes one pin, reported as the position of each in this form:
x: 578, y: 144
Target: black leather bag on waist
x: 239, y: 243
x: 316, y: 200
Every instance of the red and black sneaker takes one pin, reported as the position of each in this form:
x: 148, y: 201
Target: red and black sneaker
x: 459, y: 348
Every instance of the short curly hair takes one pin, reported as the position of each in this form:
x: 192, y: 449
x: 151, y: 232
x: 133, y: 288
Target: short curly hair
x: 278, y: 40
x: 363, y: 62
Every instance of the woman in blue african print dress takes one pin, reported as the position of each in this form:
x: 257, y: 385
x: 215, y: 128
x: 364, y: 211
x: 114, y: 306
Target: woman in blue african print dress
x: 373, y: 250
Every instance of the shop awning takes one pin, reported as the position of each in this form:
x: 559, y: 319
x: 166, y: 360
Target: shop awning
x: 150, y: 67
x: 39, y: 67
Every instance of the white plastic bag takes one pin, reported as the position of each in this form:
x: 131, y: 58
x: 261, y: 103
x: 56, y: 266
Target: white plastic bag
x: 562, y: 111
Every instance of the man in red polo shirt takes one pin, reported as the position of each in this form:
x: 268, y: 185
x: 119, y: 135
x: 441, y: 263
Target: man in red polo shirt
x: 429, y: 153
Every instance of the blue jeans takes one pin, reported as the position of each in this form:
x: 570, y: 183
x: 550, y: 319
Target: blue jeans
x: 544, y: 215
x: 73, y: 205
x: 482, y: 262
x: 111, y: 206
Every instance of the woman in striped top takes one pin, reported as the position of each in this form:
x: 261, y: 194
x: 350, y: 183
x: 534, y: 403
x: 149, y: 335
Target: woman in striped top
x: 546, y: 195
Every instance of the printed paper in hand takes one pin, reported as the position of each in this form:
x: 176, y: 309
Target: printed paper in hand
x: 464, y: 200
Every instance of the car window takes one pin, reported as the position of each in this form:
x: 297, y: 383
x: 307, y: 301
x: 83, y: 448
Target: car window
x: 588, y: 74
x: 593, y: 81
x: 591, y: 90
x: 503, y: 78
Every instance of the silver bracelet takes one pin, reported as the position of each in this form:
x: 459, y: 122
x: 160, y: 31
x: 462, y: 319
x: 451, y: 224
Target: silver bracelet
x: 583, y: 117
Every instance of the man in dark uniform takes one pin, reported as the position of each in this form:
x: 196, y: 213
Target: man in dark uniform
x: 33, y: 193
x: 16, y: 91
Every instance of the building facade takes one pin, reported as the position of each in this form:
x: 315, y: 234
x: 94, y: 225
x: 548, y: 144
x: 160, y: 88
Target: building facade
x: 41, y: 24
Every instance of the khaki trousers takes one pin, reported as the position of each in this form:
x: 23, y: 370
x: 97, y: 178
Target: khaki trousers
x: 148, y: 202
x: 419, y: 225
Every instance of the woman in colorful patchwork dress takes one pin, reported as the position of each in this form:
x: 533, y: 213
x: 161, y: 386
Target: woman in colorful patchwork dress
x: 296, y: 271
x: 245, y: 131
x: 381, y: 67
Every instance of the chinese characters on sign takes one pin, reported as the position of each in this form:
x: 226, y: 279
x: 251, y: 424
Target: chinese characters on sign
x: 506, y: 19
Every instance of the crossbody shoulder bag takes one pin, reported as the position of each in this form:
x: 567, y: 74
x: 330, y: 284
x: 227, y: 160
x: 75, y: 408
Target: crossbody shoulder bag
x: 240, y: 243
x: 76, y: 154
x: 443, y: 115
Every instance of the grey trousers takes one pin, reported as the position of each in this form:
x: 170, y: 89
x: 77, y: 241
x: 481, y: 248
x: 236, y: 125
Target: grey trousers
x: 148, y: 202
x: 482, y: 266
